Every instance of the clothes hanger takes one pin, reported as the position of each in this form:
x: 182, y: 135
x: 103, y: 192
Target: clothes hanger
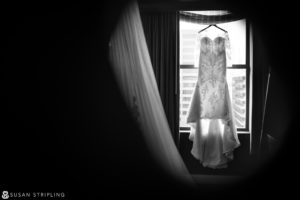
x: 214, y: 26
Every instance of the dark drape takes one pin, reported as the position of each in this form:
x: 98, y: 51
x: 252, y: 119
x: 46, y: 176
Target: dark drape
x: 278, y: 104
x: 161, y: 35
x: 261, y: 67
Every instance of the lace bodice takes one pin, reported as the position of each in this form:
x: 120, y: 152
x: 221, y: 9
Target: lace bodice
x: 212, y: 66
x: 213, y: 43
x: 215, y: 46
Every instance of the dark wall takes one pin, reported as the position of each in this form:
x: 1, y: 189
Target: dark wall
x: 64, y: 125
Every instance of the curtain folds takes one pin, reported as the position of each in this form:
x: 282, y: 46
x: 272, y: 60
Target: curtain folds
x: 133, y: 70
x: 160, y: 32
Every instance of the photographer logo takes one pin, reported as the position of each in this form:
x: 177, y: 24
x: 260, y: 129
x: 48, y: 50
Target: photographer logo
x: 5, y: 195
x: 47, y: 195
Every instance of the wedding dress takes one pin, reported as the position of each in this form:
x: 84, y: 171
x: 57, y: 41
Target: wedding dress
x: 210, y: 115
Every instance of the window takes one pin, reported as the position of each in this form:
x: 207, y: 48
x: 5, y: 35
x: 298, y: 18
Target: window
x: 237, y: 74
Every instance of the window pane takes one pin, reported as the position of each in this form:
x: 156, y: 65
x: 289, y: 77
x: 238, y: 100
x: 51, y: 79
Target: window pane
x: 237, y: 35
x: 236, y: 79
x: 186, y: 90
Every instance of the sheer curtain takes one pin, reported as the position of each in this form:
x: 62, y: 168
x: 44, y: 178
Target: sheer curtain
x: 133, y: 70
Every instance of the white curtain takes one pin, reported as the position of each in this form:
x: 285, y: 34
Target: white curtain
x: 133, y: 69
